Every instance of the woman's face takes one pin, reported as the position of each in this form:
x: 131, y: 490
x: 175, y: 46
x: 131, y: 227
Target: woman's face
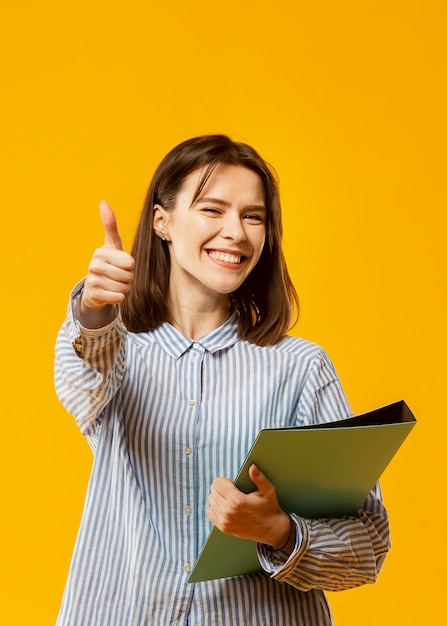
x: 215, y: 243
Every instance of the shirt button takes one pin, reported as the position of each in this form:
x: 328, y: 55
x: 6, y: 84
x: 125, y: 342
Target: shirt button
x: 188, y: 510
x: 188, y: 451
x: 187, y: 568
x: 195, y: 345
x: 192, y: 403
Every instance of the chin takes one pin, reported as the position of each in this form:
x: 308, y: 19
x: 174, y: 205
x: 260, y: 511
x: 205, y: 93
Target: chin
x: 226, y: 289
x: 220, y: 291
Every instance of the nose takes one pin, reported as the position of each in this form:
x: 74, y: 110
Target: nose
x: 233, y: 228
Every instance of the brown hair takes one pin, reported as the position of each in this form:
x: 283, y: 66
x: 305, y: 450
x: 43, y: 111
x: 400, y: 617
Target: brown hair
x: 264, y: 303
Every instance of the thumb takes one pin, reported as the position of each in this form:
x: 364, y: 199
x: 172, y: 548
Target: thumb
x: 260, y: 480
x: 108, y: 219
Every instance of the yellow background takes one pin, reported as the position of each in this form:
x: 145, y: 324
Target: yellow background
x: 347, y: 100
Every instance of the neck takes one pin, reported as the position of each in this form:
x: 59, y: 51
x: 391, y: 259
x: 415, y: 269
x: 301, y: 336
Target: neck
x: 195, y: 319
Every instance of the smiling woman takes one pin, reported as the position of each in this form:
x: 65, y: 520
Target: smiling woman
x: 214, y: 243
x: 172, y: 359
x: 230, y: 183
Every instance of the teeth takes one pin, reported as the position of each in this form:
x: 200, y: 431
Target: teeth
x: 222, y: 256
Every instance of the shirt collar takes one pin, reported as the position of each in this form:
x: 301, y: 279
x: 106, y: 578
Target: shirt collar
x: 175, y: 343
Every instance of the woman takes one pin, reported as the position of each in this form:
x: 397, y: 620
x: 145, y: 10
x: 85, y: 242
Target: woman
x: 172, y: 359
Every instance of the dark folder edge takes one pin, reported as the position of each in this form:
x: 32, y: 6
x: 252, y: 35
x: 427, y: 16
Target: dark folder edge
x: 395, y: 413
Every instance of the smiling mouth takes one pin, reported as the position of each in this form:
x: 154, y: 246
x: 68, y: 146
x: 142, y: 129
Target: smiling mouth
x: 225, y: 257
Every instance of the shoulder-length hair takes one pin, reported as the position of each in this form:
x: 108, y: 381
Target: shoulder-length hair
x: 266, y: 302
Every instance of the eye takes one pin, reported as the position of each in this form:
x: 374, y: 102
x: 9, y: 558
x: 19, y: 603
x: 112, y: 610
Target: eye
x: 211, y: 210
x: 255, y: 217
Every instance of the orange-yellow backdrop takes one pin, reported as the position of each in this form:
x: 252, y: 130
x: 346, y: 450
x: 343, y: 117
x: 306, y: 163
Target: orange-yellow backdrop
x: 348, y: 101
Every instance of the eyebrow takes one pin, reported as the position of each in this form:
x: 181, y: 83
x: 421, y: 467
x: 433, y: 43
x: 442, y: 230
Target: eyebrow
x: 253, y: 207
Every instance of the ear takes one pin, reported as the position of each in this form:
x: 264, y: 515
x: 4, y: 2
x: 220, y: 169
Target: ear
x: 160, y: 221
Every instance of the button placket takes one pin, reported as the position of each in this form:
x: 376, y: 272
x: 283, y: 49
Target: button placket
x: 193, y: 380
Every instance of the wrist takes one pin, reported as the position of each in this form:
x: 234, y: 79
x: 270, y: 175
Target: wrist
x: 94, y: 317
x: 288, y: 539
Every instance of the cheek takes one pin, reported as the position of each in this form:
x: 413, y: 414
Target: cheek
x: 261, y: 242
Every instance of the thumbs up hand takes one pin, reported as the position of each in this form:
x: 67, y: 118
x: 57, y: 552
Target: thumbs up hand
x: 110, y: 274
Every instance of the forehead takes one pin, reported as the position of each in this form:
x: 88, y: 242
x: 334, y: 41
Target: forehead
x: 227, y: 182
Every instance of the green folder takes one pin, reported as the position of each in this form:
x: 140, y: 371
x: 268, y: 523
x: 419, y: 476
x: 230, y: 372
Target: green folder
x: 325, y: 470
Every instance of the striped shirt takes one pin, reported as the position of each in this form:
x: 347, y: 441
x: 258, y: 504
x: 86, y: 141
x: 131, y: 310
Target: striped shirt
x: 164, y: 416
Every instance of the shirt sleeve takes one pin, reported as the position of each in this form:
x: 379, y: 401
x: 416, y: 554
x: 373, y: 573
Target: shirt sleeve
x: 322, y: 398
x: 334, y: 554
x: 89, y: 366
x: 331, y: 554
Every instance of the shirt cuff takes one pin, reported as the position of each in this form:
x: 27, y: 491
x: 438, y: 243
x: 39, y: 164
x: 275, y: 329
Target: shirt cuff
x: 80, y: 336
x: 277, y: 562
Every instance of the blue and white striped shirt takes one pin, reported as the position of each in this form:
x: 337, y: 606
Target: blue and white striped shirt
x: 165, y: 416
